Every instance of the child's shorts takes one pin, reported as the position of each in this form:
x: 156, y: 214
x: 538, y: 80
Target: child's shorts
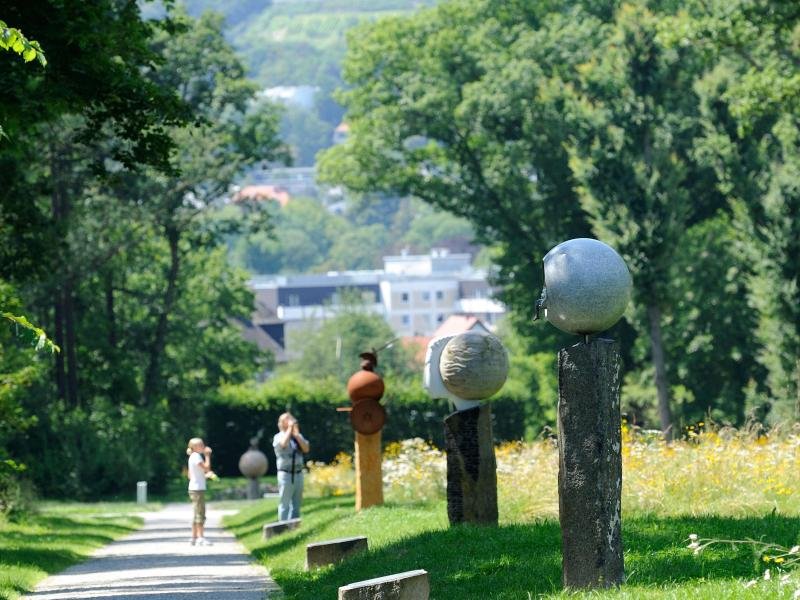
x: 199, y: 505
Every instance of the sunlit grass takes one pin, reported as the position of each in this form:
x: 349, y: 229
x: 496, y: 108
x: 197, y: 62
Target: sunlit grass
x: 56, y: 536
x: 718, y: 484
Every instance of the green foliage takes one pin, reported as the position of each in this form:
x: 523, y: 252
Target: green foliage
x: 132, y: 277
x: 332, y: 346
x: 13, y: 40
x: 642, y: 124
x: 306, y: 237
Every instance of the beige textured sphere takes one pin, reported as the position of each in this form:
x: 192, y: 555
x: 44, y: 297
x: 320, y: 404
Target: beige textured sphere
x: 253, y: 463
x: 474, y: 365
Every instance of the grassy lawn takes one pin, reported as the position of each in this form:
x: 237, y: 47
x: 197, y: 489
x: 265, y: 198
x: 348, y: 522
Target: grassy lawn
x: 56, y: 536
x: 515, y: 560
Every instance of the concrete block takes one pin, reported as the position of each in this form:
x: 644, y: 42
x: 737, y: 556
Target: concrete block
x: 411, y: 585
x: 272, y: 529
x: 329, y: 552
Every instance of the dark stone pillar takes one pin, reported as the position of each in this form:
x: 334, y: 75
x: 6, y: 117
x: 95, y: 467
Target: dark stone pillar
x: 471, y: 467
x: 590, y: 464
x: 253, y: 489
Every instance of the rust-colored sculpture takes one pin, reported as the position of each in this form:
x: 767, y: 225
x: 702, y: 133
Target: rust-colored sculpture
x: 367, y: 417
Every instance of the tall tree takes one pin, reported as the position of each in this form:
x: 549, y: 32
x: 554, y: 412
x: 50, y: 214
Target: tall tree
x: 460, y: 106
x: 632, y: 158
x: 751, y: 115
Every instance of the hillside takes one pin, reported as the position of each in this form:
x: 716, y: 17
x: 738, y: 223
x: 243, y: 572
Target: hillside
x: 300, y: 43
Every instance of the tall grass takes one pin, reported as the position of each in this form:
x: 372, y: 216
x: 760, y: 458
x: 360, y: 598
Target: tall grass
x: 717, y: 471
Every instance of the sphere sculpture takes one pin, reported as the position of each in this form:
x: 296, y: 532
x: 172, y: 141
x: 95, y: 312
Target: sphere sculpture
x: 365, y: 385
x: 253, y: 463
x: 365, y: 389
x: 587, y: 286
x: 473, y: 365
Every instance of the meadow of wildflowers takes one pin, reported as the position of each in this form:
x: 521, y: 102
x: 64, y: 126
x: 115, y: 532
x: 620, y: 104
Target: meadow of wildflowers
x: 713, y: 471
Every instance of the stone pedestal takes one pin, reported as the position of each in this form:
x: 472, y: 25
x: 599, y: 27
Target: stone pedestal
x: 590, y: 464
x: 369, y: 479
x: 253, y: 492
x: 471, y: 467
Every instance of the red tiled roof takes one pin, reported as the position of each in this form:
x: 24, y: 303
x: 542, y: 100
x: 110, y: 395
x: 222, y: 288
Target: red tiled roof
x: 456, y: 324
x: 263, y: 192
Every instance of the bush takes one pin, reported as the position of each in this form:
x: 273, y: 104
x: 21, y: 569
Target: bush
x: 240, y: 412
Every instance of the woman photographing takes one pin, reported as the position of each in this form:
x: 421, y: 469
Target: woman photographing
x: 289, y: 445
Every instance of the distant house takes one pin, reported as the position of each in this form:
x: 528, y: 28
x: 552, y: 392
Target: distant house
x: 263, y: 192
x: 341, y: 133
x: 456, y: 324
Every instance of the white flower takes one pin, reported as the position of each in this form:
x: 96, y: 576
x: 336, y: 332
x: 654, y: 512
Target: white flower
x: 693, y: 537
x: 794, y: 550
x: 767, y: 575
x: 785, y: 579
x: 750, y: 583
x: 694, y: 546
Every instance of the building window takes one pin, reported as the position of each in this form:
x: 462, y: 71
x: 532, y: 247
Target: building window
x: 440, y: 318
x: 294, y: 300
x: 404, y: 297
x: 439, y: 294
x: 406, y: 319
x: 426, y: 296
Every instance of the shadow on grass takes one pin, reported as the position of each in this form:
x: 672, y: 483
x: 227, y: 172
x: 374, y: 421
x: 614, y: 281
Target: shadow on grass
x: 514, y: 560
x: 53, y: 543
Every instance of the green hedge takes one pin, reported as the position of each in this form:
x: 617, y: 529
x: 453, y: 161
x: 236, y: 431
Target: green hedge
x: 239, y: 412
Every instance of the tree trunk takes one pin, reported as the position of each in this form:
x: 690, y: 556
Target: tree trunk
x: 58, y: 335
x: 58, y: 212
x: 153, y: 373
x: 662, y: 385
x: 71, y: 342
x: 110, y: 316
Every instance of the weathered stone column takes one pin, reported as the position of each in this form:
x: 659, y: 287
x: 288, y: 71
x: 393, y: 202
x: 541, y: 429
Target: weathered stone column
x: 471, y: 467
x: 590, y: 464
x: 253, y: 489
x: 369, y: 479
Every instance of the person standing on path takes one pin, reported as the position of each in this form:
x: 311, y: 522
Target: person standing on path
x: 289, y: 445
x: 199, y: 468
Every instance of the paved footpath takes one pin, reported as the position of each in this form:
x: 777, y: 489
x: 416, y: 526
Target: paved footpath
x: 158, y: 563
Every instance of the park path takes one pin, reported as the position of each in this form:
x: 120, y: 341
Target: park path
x: 158, y: 563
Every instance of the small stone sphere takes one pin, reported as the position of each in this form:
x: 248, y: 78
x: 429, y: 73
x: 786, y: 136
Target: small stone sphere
x: 474, y: 365
x: 587, y: 286
x: 253, y: 463
x: 365, y: 385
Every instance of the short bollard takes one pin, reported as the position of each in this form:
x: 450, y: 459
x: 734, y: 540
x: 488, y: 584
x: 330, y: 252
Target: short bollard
x: 411, y: 585
x: 331, y: 552
x: 141, y: 492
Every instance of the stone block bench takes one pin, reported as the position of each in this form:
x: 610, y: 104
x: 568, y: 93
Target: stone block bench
x: 330, y: 552
x: 272, y: 529
x: 411, y: 585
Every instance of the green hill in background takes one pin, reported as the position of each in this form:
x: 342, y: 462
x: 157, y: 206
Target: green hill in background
x: 300, y: 43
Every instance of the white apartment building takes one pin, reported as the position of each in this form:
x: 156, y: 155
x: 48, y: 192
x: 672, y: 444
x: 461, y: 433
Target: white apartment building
x: 414, y: 293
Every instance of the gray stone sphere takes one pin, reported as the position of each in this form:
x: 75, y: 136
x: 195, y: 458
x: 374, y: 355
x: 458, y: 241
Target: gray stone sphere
x: 587, y: 286
x: 474, y: 365
x: 253, y: 463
